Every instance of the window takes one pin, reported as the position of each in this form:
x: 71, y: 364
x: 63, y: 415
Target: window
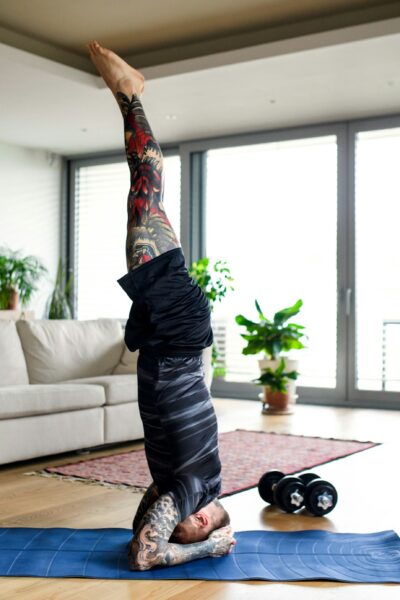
x: 272, y: 214
x: 307, y: 214
x: 101, y: 192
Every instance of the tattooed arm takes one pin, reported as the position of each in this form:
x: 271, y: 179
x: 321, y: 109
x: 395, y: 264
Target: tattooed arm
x: 150, y: 547
x: 149, y: 497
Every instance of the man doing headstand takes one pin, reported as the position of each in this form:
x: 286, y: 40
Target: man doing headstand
x: 180, y: 517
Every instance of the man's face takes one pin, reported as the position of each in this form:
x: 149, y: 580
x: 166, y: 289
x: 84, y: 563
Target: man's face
x: 191, y: 530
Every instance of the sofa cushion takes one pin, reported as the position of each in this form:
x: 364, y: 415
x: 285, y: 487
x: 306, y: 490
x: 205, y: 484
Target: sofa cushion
x: 127, y: 363
x: 60, y: 349
x: 12, y: 360
x: 118, y: 388
x: 28, y: 400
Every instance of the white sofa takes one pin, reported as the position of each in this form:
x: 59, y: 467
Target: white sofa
x: 67, y: 385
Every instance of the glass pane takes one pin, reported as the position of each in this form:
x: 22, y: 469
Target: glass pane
x: 272, y: 214
x: 100, y: 232
x: 172, y: 191
x: 377, y: 298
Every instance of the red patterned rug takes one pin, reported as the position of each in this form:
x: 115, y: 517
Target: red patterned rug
x: 245, y: 456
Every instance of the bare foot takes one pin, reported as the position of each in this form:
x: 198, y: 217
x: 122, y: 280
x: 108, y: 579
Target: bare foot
x: 118, y: 75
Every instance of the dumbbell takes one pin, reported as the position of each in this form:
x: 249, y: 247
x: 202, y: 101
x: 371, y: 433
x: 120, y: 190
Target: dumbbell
x: 291, y: 493
x: 321, y: 495
x: 286, y: 491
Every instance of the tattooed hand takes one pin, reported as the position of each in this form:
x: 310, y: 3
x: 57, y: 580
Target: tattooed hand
x: 221, y: 541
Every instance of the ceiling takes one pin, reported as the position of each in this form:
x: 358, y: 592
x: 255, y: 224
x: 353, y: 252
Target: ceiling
x: 212, y: 68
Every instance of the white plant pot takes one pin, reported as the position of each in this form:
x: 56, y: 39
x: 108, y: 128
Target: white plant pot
x: 290, y: 365
x: 208, y: 369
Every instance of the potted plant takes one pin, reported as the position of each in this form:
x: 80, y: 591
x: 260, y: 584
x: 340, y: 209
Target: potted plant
x: 18, y: 275
x: 273, y: 337
x: 214, y: 281
x: 58, y: 306
x: 275, y: 396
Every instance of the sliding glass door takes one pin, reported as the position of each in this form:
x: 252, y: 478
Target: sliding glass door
x: 376, y: 318
x: 272, y: 214
x: 313, y: 217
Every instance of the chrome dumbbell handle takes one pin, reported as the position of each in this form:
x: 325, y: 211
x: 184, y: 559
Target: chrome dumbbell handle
x: 296, y: 498
x: 325, y: 501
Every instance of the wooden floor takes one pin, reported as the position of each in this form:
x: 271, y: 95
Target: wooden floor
x: 368, y: 484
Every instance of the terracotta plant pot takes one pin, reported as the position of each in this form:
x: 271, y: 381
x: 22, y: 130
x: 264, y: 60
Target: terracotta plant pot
x: 13, y: 301
x: 277, y: 403
x: 290, y: 365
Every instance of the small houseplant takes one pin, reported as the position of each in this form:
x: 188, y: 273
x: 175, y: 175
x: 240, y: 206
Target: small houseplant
x: 275, y: 396
x: 58, y: 305
x: 273, y: 337
x: 214, y: 281
x: 18, y: 275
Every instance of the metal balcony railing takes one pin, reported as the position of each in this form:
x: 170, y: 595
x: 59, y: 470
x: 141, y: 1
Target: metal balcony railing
x: 385, y: 324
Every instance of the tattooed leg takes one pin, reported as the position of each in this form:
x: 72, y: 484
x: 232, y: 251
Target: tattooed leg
x: 150, y: 546
x: 149, y: 497
x: 149, y: 231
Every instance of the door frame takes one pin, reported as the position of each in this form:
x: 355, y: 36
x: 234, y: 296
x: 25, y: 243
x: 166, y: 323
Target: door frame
x: 193, y: 169
x: 193, y: 213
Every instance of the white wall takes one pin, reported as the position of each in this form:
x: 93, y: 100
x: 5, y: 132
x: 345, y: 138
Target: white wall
x: 30, y: 206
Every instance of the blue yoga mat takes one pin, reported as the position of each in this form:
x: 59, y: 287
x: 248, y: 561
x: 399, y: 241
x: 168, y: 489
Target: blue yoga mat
x: 266, y: 555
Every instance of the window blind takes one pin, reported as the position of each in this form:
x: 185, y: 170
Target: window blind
x: 100, y: 211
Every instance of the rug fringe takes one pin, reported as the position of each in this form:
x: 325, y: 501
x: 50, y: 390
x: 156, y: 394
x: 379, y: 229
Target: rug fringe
x: 113, y: 486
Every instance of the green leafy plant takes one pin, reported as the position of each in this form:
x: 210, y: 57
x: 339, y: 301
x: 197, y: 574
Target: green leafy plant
x: 272, y: 336
x: 18, y: 273
x: 215, y: 281
x: 58, y: 306
x: 276, y: 379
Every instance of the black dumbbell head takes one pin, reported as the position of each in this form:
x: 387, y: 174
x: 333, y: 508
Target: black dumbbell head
x: 321, y: 497
x: 307, y: 477
x: 289, y: 494
x: 266, y: 484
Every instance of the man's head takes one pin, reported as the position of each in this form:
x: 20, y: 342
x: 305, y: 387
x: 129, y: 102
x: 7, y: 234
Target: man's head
x: 198, y: 526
